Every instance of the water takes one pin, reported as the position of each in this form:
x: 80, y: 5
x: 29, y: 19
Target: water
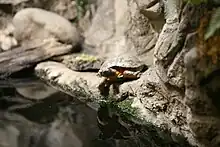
x: 34, y: 114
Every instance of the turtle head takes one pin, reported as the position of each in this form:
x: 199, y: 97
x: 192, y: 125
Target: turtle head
x: 106, y: 73
x: 119, y: 75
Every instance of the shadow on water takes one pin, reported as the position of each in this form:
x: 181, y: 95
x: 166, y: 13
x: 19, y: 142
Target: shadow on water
x: 33, y: 114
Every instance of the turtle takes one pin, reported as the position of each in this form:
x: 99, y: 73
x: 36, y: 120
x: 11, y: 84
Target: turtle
x: 119, y: 69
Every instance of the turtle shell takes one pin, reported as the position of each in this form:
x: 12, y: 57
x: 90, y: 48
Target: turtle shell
x: 123, y: 61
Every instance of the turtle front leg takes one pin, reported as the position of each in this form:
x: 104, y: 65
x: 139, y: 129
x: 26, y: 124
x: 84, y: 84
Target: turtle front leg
x: 104, y: 87
x: 116, y: 88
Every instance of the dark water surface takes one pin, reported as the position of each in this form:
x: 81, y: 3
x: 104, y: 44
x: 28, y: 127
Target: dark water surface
x: 34, y: 114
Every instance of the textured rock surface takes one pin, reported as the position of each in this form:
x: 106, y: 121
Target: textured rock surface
x: 202, y: 100
x: 125, y: 28
x: 71, y: 82
x: 199, y: 114
x: 161, y: 104
x: 82, y: 62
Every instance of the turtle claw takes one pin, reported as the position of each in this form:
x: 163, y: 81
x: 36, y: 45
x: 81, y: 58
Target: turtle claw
x: 138, y: 74
x: 98, y: 74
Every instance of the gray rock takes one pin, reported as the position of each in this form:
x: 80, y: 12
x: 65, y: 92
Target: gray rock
x: 83, y: 62
x: 102, y: 26
x: 176, y: 71
x: 82, y: 85
x: 28, y: 26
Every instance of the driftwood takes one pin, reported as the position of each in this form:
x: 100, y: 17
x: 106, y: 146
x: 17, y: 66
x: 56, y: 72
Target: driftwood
x: 26, y: 56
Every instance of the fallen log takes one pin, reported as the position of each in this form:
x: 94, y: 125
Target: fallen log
x: 29, y: 55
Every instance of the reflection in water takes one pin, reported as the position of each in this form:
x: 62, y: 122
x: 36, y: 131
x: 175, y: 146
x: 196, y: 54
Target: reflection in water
x: 38, y: 91
x: 36, y: 115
